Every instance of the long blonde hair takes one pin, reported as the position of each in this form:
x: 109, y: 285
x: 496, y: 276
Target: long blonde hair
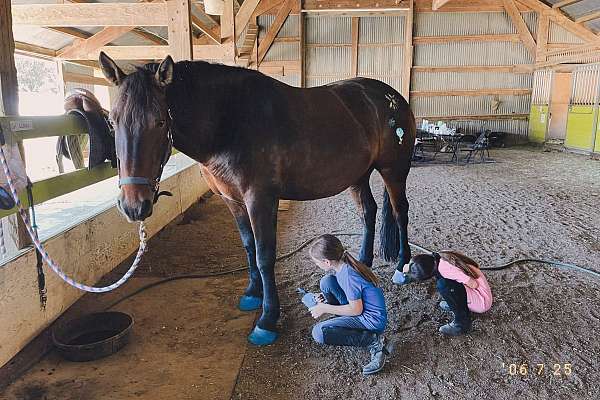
x: 329, y: 247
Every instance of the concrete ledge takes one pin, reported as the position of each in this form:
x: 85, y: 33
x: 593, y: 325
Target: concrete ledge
x: 86, y: 252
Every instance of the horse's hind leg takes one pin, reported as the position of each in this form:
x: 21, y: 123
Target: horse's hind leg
x: 363, y: 197
x: 252, y: 298
x: 395, y: 183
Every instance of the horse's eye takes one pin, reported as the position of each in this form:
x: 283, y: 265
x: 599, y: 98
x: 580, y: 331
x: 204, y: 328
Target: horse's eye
x: 161, y: 123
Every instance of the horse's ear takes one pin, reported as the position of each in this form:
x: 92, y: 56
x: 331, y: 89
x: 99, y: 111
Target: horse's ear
x: 164, y: 74
x: 111, y: 70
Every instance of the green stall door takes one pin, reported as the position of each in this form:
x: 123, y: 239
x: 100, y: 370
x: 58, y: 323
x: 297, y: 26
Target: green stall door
x: 579, y: 127
x: 538, y: 123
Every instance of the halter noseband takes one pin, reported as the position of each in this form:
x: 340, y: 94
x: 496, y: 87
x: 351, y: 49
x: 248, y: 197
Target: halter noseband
x: 155, y: 183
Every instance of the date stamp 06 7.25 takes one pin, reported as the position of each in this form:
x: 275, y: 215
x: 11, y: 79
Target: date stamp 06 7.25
x: 537, y: 369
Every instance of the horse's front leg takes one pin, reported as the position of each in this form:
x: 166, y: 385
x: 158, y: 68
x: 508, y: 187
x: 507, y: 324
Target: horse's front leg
x: 262, y: 209
x: 253, y: 295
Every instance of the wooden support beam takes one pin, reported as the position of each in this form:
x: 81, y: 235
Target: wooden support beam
x: 302, y: 48
x: 437, y: 4
x: 227, y: 22
x: 228, y: 36
x: 180, y: 32
x: 274, y: 29
x: 588, y: 17
x: 565, y: 3
x: 242, y: 18
x: 515, y: 69
x: 572, y: 55
x: 573, y: 27
x: 517, y: 19
x: 558, y: 17
x: 348, y: 5
x: 153, y: 53
x: 91, y: 14
x: 102, y: 38
x: 28, y: 49
x: 355, y: 32
x: 408, y: 51
x: 466, y: 38
x: 464, y: 6
x: 471, y: 93
x: 265, y: 6
x: 542, y: 37
x: 488, y: 117
x: 149, y: 36
x: 15, y: 234
x: 85, y: 79
x: 76, y: 33
x: 213, y: 33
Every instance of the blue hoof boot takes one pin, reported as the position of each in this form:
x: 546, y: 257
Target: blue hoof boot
x: 249, y: 303
x: 262, y: 337
x: 400, y: 278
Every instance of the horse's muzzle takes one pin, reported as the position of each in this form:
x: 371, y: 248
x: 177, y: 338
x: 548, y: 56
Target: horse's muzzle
x: 136, y: 211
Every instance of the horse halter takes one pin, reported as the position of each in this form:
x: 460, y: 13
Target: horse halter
x: 155, y: 183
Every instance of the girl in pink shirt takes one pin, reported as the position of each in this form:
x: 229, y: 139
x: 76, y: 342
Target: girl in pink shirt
x: 460, y: 282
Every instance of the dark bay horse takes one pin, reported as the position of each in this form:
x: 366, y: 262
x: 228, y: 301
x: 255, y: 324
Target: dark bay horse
x: 257, y: 141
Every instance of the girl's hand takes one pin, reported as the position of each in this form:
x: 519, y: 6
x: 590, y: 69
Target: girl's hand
x: 317, y: 310
x: 320, y: 298
x: 406, y: 268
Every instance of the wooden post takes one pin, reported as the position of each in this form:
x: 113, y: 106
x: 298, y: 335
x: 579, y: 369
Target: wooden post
x: 302, y: 17
x: 408, y: 51
x: 228, y: 30
x: 15, y: 234
x: 180, y: 32
x: 542, y: 38
x: 355, y: 32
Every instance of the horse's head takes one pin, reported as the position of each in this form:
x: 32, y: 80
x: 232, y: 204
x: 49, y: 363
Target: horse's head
x: 142, y: 133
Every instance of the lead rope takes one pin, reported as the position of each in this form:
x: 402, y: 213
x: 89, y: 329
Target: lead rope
x: 50, y: 262
x: 38, y: 256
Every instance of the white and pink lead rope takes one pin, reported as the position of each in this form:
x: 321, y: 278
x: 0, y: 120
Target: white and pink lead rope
x: 50, y: 262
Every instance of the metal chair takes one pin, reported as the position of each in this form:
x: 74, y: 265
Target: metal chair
x: 481, y: 146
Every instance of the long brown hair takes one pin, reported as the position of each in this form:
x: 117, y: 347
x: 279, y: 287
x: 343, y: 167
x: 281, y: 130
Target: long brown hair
x: 460, y: 261
x: 329, y: 247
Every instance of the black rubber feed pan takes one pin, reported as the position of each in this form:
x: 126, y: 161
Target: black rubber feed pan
x: 92, y: 336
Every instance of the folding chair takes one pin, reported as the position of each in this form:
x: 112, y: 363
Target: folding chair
x: 481, y: 146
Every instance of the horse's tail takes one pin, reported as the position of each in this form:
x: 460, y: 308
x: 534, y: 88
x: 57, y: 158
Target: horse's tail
x: 390, y: 234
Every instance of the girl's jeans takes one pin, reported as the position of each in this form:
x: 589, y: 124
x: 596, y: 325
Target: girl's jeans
x: 340, y: 331
x: 455, y: 295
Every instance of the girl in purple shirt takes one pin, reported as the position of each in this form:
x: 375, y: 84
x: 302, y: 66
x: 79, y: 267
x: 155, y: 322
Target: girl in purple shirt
x: 352, y: 295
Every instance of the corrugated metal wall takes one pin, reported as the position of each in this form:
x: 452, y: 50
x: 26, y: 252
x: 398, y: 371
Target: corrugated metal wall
x: 381, y: 48
x: 558, y: 34
x: 542, y: 87
x: 484, y: 23
x: 586, y: 80
x: 476, y: 54
x: 328, y: 55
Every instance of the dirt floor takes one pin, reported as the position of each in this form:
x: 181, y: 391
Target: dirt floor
x: 189, y: 340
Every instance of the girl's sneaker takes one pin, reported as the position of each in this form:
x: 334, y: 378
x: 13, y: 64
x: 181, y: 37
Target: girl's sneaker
x: 453, y: 329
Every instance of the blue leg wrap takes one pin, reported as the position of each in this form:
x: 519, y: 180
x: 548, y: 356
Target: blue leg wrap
x: 262, y: 337
x: 250, y: 303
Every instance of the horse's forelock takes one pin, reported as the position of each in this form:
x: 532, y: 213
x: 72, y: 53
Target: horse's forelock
x: 136, y: 99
